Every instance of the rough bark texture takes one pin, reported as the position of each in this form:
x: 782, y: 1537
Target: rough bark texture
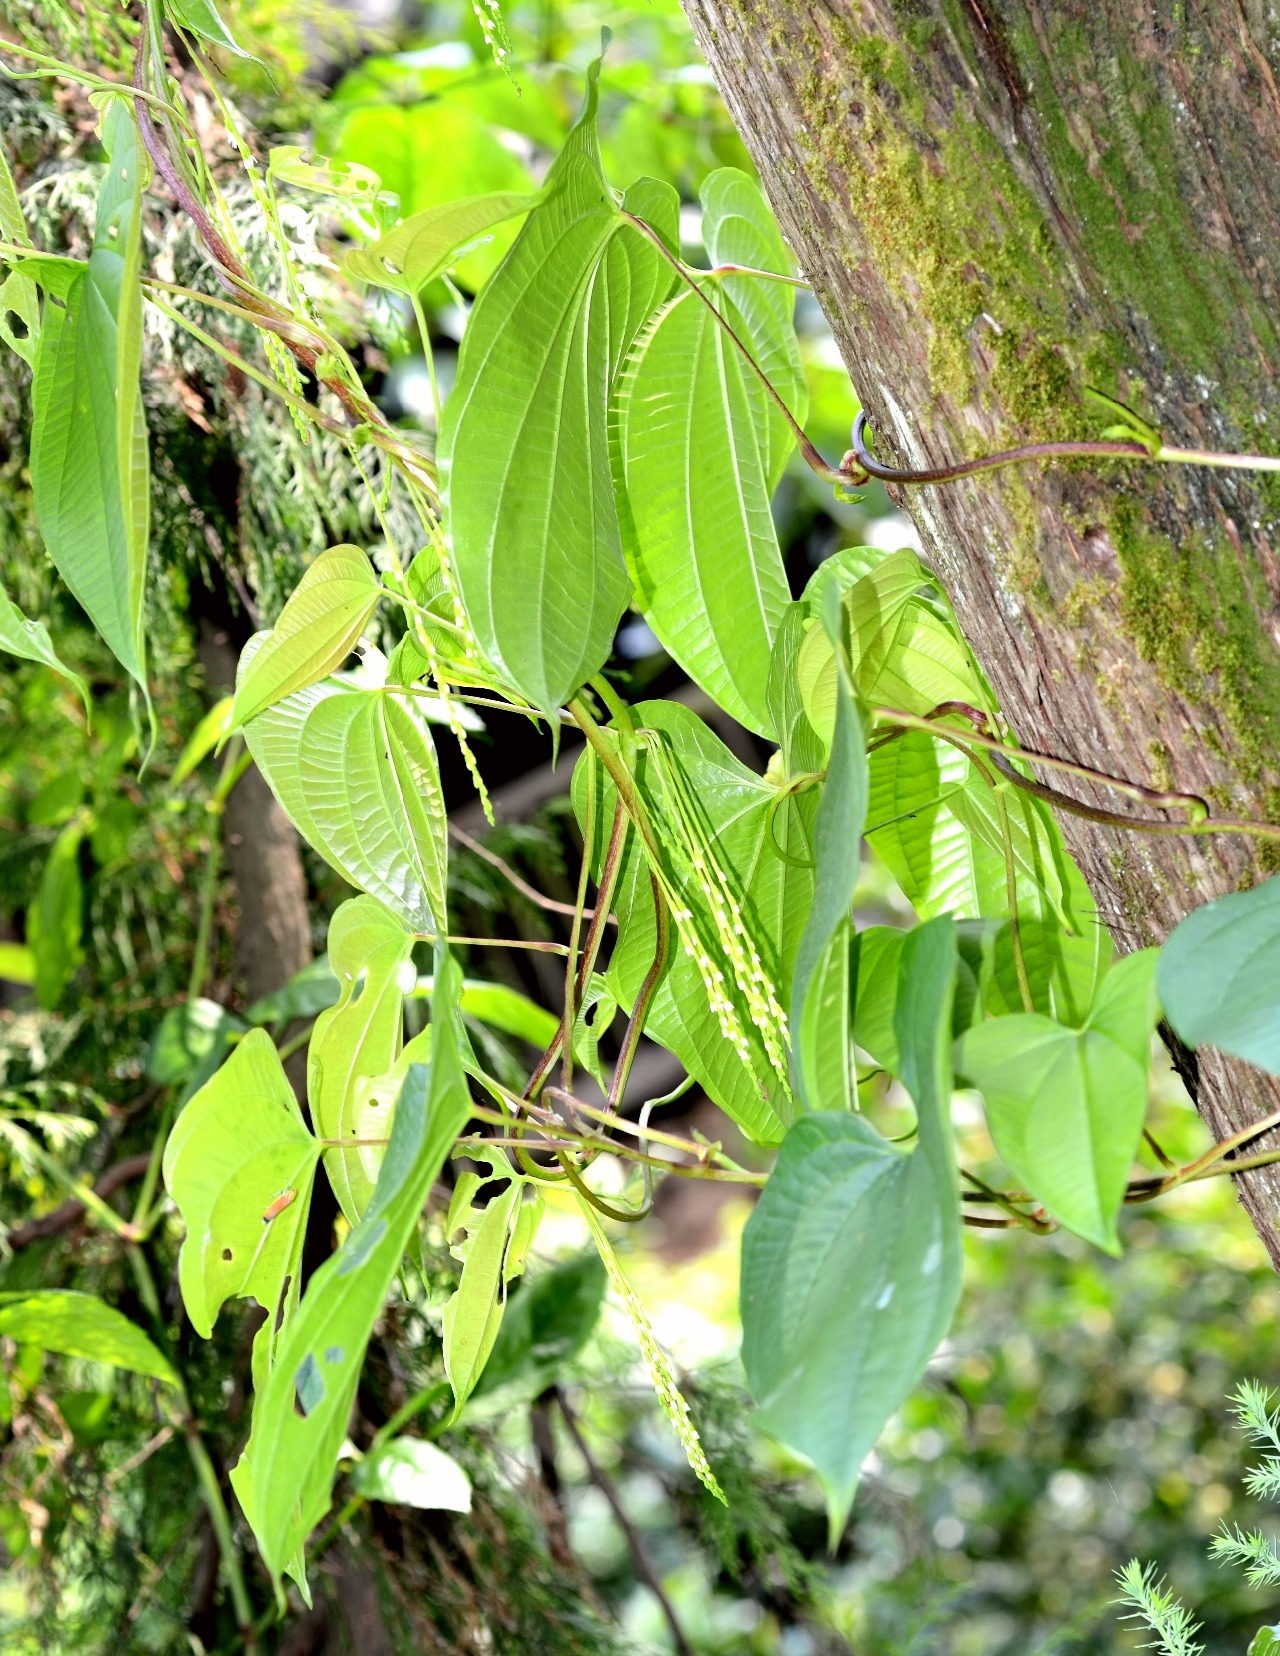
x: 999, y: 203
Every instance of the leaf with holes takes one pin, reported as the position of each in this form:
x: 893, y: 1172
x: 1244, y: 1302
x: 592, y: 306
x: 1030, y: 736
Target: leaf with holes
x: 358, y: 1040
x: 30, y: 640
x: 81, y: 1325
x: 702, y: 449
x: 492, y: 1243
x: 851, y: 1262
x: 524, y: 449
x: 239, y: 1164
x: 1065, y: 1106
x: 356, y: 772
x: 318, y: 629
x: 284, y: 1478
x: 90, y: 472
x: 427, y: 243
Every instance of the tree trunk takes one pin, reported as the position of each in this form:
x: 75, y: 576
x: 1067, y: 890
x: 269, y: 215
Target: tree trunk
x: 1000, y: 203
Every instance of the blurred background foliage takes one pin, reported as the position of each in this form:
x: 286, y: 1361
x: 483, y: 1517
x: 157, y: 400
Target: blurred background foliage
x: 1077, y: 1415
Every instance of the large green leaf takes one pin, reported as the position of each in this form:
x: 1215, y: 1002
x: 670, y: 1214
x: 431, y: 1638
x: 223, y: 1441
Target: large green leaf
x: 1065, y: 1106
x: 426, y: 244
x: 1219, y: 976
x: 702, y: 448
x: 356, y: 772
x: 356, y: 1041
x: 89, y: 467
x: 239, y: 1163
x: 851, y: 1262
x: 285, y: 1476
x: 802, y: 752
x: 80, y: 1325
x: 55, y: 921
x: 524, y: 455
x: 30, y: 640
x: 837, y: 836
x: 317, y: 630
x: 733, y: 811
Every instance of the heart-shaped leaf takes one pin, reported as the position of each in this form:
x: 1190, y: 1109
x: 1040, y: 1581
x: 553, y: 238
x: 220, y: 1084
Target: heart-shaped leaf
x: 356, y: 772
x: 1065, y: 1106
x: 851, y: 1261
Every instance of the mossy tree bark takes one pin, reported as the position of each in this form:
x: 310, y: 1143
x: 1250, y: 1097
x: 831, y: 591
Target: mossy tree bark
x: 1000, y: 203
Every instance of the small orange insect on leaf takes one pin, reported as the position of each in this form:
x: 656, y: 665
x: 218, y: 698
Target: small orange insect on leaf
x: 281, y: 1202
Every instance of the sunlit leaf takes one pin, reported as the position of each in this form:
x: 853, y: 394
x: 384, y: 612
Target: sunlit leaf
x: 410, y: 1472
x: 285, y: 1476
x: 426, y: 243
x: 356, y: 772
x: 239, y: 1164
x: 317, y: 630
x: 89, y: 467
x: 1065, y: 1106
x: 492, y: 1243
x: 17, y: 963
x: 358, y: 1039
x: 851, y: 1261
x: 81, y: 1325
x: 348, y: 180
x: 524, y: 450
x: 203, y: 739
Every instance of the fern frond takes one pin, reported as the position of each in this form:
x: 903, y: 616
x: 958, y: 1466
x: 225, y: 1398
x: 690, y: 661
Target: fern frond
x: 1152, y: 1603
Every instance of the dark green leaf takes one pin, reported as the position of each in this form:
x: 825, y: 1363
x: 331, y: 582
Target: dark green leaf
x: 307, y: 993
x: 89, y: 467
x: 851, y: 1262
x: 1218, y: 976
x: 187, y: 1035
x: 55, y: 921
x: 546, y: 1324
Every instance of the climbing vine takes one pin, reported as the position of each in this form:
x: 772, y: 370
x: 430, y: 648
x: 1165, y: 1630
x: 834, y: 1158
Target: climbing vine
x: 618, y: 426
